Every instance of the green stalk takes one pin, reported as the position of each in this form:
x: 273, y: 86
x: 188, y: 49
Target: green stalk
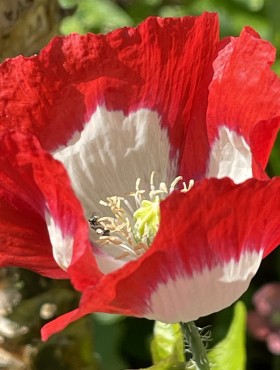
x: 196, y: 345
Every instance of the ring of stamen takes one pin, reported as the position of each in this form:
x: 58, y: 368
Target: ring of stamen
x: 133, y: 231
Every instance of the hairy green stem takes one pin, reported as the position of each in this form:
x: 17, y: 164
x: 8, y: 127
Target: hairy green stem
x: 197, y: 347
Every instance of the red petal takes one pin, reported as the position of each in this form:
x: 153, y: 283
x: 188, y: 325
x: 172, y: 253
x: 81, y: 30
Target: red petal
x: 34, y: 186
x: 244, y: 95
x: 25, y: 241
x: 208, y: 247
x: 159, y: 65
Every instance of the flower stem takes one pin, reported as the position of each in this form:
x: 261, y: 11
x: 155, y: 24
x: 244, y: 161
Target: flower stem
x: 193, y: 338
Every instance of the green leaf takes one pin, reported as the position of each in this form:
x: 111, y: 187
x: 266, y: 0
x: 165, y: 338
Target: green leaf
x: 230, y: 353
x: 167, y: 343
x: 168, y: 364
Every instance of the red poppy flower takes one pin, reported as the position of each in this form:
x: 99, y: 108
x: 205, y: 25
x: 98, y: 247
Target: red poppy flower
x: 90, y: 115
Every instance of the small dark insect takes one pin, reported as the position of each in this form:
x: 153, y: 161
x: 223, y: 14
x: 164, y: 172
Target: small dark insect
x: 97, y: 227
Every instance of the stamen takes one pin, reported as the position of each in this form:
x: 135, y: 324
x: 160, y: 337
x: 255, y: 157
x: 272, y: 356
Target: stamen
x: 187, y: 188
x: 132, y: 232
x: 152, y: 186
x: 138, y: 193
x: 175, y: 182
x: 163, y: 187
x: 153, y: 192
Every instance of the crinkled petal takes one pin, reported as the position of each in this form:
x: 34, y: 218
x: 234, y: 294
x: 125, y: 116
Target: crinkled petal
x: 202, y: 259
x: 243, y: 114
x: 42, y: 223
x: 159, y: 65
x: 112, y: 152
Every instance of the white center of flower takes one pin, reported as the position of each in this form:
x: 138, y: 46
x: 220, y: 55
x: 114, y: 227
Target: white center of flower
x: 132, y: 232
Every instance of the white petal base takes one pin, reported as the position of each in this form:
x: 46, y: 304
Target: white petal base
x: 112, y: 151
x: 62, y: 245
x: 205, y: 292
x: 107, y: 263
x: 230, y: 156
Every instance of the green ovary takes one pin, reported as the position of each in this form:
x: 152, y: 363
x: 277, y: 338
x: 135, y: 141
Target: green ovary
x: 147, y: 219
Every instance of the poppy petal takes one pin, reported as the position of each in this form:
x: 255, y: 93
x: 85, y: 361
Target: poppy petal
x: 202, y: 259
x: 158, y: 66
x: 243, y: 115
x: 112, y: 152
x: 34, y: 187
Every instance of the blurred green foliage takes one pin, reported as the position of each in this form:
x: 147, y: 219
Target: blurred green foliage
x: 230, y: 353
